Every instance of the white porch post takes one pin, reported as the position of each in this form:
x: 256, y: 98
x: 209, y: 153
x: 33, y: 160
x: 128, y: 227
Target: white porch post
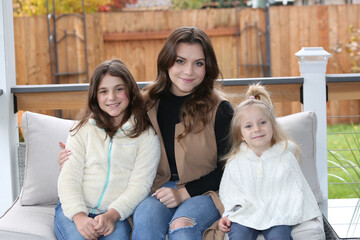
x: 312, y: 63
x: 8, y: 120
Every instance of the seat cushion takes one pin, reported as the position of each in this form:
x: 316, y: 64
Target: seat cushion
x: 309, y: 230
x: 28, y: 222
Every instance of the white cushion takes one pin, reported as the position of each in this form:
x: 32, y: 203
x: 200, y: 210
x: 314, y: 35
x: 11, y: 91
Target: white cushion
x: 42, y: 135
x: 302, y: 128
x: 309, y: 230
x: 28, y: 222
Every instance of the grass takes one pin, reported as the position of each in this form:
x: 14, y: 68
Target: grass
x: 347, y: 162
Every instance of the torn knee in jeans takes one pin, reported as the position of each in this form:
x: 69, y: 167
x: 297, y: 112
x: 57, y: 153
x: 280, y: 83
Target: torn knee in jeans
x: 181, y: 222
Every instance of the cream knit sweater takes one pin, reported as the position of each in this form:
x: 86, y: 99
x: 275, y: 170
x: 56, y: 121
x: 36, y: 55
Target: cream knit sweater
x: 263, y: 192
x: 101, y: 175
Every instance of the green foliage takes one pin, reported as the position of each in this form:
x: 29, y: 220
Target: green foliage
x: 188, y: 4
x: 344, y: 161
x: 29, y: 7
x: 353, y: 48
x: 39, y: 7
x: 229, y: 3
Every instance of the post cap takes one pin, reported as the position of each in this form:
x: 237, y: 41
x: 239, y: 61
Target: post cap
x: 312, y: 54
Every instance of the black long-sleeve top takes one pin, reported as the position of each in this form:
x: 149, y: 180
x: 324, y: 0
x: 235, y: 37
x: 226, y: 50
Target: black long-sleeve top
x: 168, y: 116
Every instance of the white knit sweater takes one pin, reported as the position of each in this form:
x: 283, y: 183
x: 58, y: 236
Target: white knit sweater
x: 268, y: 191
x: 87, y: 181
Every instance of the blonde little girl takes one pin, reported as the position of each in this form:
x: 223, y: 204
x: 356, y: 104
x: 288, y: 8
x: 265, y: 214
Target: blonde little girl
x: 262, y: 189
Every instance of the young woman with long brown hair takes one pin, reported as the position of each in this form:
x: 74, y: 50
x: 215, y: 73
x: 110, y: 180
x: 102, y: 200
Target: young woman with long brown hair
x: 192, y: 120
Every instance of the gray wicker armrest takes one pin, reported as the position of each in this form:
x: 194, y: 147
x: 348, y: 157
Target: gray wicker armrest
x: 329, y: 231
x: 21, y: 162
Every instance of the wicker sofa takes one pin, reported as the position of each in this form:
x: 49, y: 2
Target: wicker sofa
x: 31, y: 215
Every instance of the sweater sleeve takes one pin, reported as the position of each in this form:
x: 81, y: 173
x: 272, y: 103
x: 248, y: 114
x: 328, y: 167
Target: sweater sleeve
x: 228, y: 188
x: 70, y: 178
x: 142, y: 175
x: 212, y: 180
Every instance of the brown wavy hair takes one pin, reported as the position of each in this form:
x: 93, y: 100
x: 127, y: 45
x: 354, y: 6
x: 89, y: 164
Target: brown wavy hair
x: 135, y: 108
x: 203, y: 99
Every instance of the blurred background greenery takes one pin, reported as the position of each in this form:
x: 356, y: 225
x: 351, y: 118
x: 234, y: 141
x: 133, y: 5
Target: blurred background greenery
x: 343, y: 141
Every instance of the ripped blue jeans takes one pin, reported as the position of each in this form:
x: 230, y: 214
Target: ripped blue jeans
x: 152, y: 219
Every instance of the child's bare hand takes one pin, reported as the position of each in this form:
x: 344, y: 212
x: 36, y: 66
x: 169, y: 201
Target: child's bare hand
x: 106, y: 222
x: 85, y: 226
x: 63, y: 154
x: 224, y: 224
x: 62, y: 145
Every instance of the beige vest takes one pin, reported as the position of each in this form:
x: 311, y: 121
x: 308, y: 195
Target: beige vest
x: 195, y: 156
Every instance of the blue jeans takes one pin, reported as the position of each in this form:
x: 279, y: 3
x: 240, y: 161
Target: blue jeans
x: 152, y: 219
x: 65, y: 229
x: 281, y: 232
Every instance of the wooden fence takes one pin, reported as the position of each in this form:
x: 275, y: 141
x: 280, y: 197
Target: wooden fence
x: 137, y: 37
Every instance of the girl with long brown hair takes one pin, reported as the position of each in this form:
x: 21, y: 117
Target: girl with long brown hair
x: 114, y: 157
